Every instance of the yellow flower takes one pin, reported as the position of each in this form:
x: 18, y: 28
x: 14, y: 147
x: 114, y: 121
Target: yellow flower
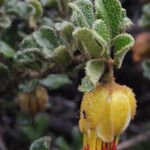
x: 105, y: 114
x: 34, y: 101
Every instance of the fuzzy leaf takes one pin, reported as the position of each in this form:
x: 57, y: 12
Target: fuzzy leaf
x: 41, y: 144
x: 86, y: 85
x: 88, y: 41
x: 102, y: 35
x: 55, y: 81
x: 94, y: 70
x: 46, y: 38
x: 5, y: 22
x: 6, y: 50
x: 38, y: 8
x: 28, y: 42
x: 83, y: 13
x: 122, y: 44
x: 112, y: 13
x: 66, y: 29
x: 28, y: 86
x: 21, y: 9
x: 61, y: 55
x: 31, y: 54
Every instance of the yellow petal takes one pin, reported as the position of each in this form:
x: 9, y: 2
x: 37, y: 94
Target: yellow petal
x: 120, y: 111
x: 132, y: 100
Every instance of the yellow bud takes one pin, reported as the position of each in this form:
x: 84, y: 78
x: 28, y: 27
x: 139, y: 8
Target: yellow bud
x: 34, y: 101
x: 107, y: 111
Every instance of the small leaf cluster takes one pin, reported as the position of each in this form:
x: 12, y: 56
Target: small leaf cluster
x: 97, y: 31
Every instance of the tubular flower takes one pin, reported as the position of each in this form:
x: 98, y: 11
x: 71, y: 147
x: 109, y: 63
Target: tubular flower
x: 34, y: 101
x: 105, y: 114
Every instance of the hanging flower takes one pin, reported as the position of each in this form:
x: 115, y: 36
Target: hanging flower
x: 34, y: 101
x: 105, y: 114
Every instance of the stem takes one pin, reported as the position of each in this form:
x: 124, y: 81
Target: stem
x: 109, y: 73
x: 110, y: 70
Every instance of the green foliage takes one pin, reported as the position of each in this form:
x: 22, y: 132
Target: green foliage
x: 41, y: 144
x: 75, y: 145
x: 35, y: 129
x: 122, y: 44
x: 28, y: 86
x: 94, y: 70
x: 146, y: 68
x: 43, y: 45
x: 6, y: 50
x: 145, y: 18
x: 55, y: 81
x: 96, y: 37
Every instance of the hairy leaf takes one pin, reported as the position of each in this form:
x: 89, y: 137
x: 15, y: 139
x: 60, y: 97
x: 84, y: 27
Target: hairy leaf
x: 102, y: 35
x: 41, y: 144
x: 6, y: 50
x: 28, y: 86
x: 5, y: 22
x: 88, y: 41
x: 61, y: 55
x: 55, y: 81
x: 38, y: 7
x: 66, y: 29
x: 83, y: 12
x: 46, y: 38
x: 112, y: 13
x: 94, y: 70
x: 122, y: 43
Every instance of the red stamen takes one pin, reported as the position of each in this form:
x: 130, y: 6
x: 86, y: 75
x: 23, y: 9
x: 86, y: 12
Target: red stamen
x: 114, y: 147
x: 104, y: 147
x: 86, y: 147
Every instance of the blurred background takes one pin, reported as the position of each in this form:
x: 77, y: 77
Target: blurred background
x: 19, y: 127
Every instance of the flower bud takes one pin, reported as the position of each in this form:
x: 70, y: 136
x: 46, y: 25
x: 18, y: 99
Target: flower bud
x: 34, y: 101
x: 105, y: 114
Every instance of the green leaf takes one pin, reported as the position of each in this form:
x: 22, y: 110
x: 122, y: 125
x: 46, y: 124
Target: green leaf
x: 112, y: 13
x: 28, y: 86
x: 35, y: 128
x: 21, y: 9
x: 41, y: 144
x: 4, y: 71
x: 77, y: 138
x: 31, y: 55
x: 38, y: 8
x: 63, y: 145
x: 66, y: 29
x: 46, y: 38
x: 146, y: 68
x: 122, y: 43
x: 55, y: 81
x: 102, y: 35
x: 94, y: 70
x: 86, y: 85
x: 88, y: 41
x: 5, y: 22
x: 83, y: 13
x: 61, y: 55
x: 6, y: 50
x: 28, y: 42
